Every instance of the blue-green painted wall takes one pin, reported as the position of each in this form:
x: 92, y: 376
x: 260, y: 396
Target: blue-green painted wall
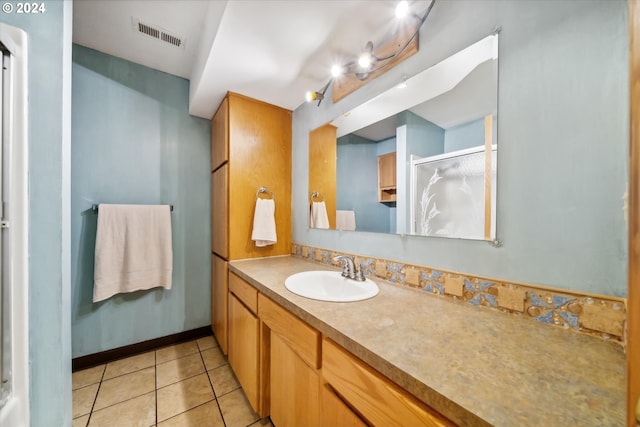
x: 133, y: 141
x: 357, y: 173
x: 49, y: 328
x: 466, y: 135
x: 563, y: 136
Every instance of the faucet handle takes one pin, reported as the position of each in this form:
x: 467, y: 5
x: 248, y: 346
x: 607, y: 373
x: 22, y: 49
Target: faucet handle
x: 358, y: 274
x: 347, y: 262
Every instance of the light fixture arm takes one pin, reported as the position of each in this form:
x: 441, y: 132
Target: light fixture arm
x: 361, y: 73
x: 406, y: 43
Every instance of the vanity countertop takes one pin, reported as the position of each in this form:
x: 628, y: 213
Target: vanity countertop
x: 473, y: 365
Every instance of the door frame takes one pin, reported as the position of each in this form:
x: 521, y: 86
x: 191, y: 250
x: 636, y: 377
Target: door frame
x: 633, y: 297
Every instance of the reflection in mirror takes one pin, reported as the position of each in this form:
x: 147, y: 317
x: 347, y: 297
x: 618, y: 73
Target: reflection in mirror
x: 361, y: 163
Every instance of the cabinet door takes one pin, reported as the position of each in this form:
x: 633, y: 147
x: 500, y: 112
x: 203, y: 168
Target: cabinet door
x: 335, y: 412
x: 219, y: 295
x: 295, y: 388
x: 243, y: 348
x: 322, y: 167
x: 387, y: 170
x: 220, y: 212
x: 220, y: 135
x: 387, y: 177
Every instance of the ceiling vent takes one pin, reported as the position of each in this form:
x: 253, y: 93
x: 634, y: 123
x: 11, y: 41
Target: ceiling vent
x: 157, y: 33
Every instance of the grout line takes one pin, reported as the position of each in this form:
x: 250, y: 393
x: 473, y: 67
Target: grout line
x: 95, y: 399
x: 215, y: 396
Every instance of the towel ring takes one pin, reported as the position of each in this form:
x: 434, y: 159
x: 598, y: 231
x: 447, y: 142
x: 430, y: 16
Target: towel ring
x: 317, y: 195
x: 265, y: 190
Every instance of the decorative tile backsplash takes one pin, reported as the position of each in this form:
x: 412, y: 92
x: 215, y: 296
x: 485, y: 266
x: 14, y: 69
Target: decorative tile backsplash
x: 597, y: 315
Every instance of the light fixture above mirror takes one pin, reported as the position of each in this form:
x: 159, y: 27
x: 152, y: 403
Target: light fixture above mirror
x: 373, y: 61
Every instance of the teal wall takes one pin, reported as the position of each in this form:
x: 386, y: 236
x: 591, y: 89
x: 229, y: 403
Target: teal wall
x: 357, y: 175
x: 466, y: 135
x: 563, y: 131
x: 133, y: 141
x: 49, y: 38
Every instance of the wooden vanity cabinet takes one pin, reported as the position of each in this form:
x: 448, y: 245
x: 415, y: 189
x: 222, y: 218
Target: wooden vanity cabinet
x: 290, y: 372
x: 379, y: 401
x: 387, y: 177
x: 250, y: 148
x: 244, y: 338
x: 294, y: 376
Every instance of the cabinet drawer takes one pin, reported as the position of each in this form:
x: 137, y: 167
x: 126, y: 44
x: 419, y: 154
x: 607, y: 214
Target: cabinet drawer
x: 244, y: 291
x: 377, y: 399
x: 302, y: 338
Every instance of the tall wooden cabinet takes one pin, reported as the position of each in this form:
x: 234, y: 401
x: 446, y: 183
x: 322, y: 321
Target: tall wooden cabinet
x: 250, y: 148
x: 322, y: 168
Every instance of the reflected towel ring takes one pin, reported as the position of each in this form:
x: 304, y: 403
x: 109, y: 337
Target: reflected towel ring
x: 265, y: 190
x: 317, y: 195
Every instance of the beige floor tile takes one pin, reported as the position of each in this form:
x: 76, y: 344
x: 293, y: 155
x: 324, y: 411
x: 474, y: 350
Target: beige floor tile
x: 83, y: 399
x: 137, y: 412
x: 87, y: 377
x: 236, y: 410
x: 80, y: 421
x: 176, y: 351
x: 223, y: 380
x: 206, y: 342
x: 178, y: 369
x: 130, y: 364
x: 265, y: 422
x: 125, y: 387
x: 207, y: 415
x: 213, y: 358
x: 180, y: 397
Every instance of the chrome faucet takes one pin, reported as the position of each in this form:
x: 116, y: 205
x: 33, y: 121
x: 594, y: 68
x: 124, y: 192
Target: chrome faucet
x: 350, y: 269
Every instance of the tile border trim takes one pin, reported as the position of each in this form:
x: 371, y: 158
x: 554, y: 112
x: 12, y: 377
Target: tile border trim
x: 599, y: 316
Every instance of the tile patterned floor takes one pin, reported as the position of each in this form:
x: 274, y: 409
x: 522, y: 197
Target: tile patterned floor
x: 185, y: 385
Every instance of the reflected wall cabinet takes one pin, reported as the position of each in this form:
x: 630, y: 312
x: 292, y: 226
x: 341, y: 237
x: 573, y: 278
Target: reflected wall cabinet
x: 387, y: 177
x: 250, y: 148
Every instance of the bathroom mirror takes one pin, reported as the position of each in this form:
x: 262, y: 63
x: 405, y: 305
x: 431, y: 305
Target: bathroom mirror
x: 418, y: 159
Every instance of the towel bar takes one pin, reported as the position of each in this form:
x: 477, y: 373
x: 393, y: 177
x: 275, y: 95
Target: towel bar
x: 95, y: 208
x: 317, y: 195
x: 265, y: 190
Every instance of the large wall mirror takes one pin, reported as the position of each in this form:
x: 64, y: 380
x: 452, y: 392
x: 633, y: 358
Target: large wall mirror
x: 418, y: 159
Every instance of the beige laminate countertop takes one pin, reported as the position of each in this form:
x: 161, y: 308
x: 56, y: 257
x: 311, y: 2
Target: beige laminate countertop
x: 474, y: 365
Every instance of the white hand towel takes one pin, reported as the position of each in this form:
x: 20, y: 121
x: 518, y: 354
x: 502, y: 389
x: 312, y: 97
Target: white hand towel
x: 318, y: 217
x: 345, y: 220
x: 133, y: 249
x: 264, y: 223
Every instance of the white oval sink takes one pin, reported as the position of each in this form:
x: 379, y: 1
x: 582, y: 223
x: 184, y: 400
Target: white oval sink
x: 330, y: 286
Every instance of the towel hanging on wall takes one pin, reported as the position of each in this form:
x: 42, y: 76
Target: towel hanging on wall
x: 345, y: 220
x: 264, y: 223
x: 318, y: 217
x: 133, y: 249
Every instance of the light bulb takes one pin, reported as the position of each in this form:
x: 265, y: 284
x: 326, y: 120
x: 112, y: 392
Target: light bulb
x: 336, y: 70
x: 401, y: 9
x: 310, y: 96
x: 364, y: 61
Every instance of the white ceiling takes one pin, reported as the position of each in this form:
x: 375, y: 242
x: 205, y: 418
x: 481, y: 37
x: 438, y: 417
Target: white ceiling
x: 272, y: 50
